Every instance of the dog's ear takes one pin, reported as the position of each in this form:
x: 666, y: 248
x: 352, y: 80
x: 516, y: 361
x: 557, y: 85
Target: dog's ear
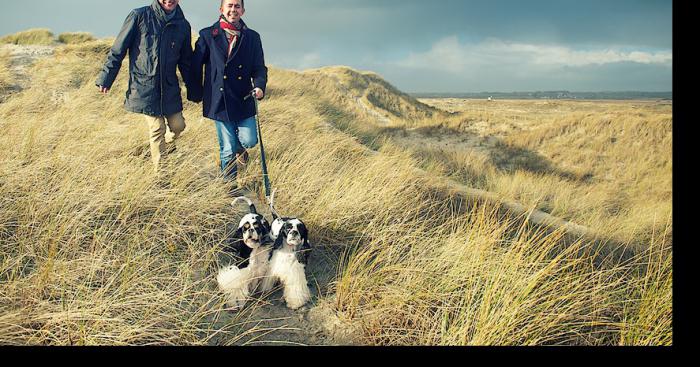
x: 234, y: 243
x: 244, y: 254
x: 279, y: 242
x: 304, y: 252
x: 303, y: 231
x: 265, y: 224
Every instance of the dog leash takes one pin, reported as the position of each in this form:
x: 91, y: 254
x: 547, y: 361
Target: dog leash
x: 266, y: 179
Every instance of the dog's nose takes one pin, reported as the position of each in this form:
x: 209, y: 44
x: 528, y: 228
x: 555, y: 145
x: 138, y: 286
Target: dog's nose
x: 294, y: 233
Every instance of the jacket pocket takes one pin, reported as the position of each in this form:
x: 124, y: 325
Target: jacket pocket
x: 143, y: 86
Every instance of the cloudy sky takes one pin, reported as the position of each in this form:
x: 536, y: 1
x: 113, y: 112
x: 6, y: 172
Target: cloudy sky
x: 428, y: 46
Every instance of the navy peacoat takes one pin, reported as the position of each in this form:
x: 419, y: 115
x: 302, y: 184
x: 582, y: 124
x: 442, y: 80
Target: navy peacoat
x: 226, y: 80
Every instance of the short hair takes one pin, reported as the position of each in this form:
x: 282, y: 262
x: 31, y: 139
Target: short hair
x: 242, y: 4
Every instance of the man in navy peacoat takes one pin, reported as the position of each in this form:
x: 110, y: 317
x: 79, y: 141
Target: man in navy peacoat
x: 227, y: 67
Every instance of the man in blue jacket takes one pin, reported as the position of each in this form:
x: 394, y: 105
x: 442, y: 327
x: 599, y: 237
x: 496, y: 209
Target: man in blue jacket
x: 159, y: 40
x: 231, y: 55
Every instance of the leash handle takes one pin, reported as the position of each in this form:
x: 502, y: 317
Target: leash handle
x: 266, y: 178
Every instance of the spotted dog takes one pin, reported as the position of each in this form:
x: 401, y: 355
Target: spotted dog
x: 253, y: 245
x: 290, y: 256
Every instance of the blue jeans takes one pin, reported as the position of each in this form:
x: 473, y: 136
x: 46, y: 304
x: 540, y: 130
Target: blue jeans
x: 235, y: 137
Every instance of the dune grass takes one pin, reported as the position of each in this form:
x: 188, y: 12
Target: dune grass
x: 605, y: 165
x: 6, y: 77
x: 96, y: 249
x: 75, y: 37
x: 37, y: 36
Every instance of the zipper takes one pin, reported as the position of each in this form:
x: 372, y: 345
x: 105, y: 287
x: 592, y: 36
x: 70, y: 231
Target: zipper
x: 160, y: 53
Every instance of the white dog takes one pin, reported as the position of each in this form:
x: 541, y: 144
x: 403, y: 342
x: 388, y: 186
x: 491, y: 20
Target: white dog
x: 290, y: 255
x: 253, y: 245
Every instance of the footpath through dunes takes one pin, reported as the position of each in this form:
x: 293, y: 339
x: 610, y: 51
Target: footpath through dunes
x: 97, y: 250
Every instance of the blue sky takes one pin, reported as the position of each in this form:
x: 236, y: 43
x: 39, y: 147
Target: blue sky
x: 428, y: 46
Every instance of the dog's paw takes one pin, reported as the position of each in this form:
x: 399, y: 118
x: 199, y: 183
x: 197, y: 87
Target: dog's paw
x: 295, y: 305
x: 296, y: 301
x: 235, y: 304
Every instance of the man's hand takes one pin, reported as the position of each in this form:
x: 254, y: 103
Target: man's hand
x: 103, y: 90
x: 258, y: 93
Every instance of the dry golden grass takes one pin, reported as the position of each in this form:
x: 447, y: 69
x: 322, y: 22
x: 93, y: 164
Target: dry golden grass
x: 6, y: 77
x: 38, y: 36
x: 75, y: 37
x: 95, y: 249
x: 606, y: 165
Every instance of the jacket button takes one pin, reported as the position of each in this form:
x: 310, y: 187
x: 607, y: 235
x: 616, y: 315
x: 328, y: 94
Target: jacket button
x: 240, y: 66
x: 240, y: 78
x: 221, y: 89
x: 225, y: 77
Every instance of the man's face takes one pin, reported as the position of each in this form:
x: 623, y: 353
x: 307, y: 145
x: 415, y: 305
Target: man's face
x: 169, y: 5
x: 232, y: 10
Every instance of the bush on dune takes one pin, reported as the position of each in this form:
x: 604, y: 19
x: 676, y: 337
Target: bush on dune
x: 37, y: 36
x: 76, y: 37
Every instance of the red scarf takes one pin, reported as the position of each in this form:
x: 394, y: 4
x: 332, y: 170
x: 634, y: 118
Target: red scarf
x: 232, y: 33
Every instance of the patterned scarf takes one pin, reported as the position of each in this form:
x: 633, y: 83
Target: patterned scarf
x: 233, y: 33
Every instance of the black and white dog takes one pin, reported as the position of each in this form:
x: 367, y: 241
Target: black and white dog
x: 253, y: 245
x: 289, y: 258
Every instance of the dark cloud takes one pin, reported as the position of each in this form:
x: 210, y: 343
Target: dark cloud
x: 377, y: 35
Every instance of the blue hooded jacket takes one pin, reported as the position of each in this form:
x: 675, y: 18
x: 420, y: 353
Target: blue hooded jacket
x: 157, y: 48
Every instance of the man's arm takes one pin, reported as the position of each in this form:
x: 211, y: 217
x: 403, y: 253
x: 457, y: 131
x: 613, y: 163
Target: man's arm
x: 117, y: 53
x: 184, y: 64
x: 259, y: 71
x: 195, y: 88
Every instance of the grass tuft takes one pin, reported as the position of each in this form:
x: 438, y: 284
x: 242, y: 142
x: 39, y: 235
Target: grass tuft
x: 37, y: 36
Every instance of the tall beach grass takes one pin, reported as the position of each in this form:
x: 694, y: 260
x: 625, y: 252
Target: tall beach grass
x: 96, y: 249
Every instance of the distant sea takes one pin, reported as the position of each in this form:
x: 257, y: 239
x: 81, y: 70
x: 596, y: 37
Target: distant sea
x: 550, y: 95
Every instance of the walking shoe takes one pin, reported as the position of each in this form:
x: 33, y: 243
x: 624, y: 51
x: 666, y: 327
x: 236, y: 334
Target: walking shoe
x: 242, y: 158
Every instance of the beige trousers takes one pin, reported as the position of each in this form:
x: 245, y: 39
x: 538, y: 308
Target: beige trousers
x: 157, y: 132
